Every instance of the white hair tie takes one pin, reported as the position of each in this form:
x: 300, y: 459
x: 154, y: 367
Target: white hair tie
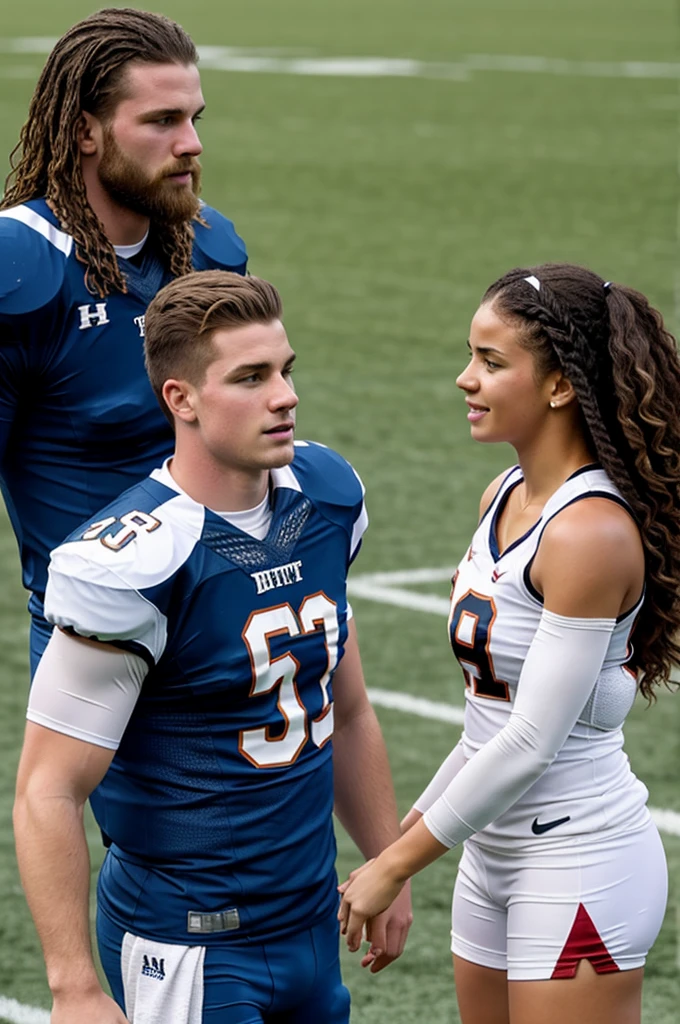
x: 534, y: 282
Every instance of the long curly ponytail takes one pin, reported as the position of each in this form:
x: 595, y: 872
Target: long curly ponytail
x: 625, y: 370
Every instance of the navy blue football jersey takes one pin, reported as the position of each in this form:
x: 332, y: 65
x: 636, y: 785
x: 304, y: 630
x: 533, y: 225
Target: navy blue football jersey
x: 78, y: 419
x: 219, y: 798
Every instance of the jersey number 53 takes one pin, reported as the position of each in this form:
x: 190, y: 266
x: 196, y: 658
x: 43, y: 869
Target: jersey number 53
x: 316, y: 612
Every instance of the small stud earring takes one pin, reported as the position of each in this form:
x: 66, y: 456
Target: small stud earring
x: 553, y: 405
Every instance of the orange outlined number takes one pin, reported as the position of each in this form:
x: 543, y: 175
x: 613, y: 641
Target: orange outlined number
x: 470, y: 624
x: 131, y: 524
x: 317, y: 613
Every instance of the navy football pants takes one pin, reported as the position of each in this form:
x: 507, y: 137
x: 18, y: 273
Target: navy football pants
x: 293, y: 980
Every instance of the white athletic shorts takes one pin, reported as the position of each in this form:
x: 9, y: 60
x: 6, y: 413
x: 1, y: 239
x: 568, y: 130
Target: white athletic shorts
x: 536, y: 914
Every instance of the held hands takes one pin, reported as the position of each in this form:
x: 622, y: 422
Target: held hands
x: 373, y: 898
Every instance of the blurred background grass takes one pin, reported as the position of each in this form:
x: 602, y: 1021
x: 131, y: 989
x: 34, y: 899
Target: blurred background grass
x: 382, y: 207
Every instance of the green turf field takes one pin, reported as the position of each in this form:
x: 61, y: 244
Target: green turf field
x: 382, y: 200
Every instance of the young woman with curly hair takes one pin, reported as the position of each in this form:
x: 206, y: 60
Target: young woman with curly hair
x: 565, y: 604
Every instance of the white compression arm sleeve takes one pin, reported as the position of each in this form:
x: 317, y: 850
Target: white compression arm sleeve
x: 86, y: 690
x: 447, y: 771
x: 561, y: 668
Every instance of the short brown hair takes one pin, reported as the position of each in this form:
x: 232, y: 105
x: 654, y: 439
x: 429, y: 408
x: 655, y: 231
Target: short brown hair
x: 183, y: 317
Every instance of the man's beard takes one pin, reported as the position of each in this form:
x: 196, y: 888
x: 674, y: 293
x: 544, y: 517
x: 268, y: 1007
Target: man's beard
x: 156, y: 198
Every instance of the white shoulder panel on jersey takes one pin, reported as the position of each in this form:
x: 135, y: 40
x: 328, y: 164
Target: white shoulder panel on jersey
x: 33, y: 261
x: 95, y: 606
x: 143, y: 554
x: 94, y: 588
x: 59, y: 239
x: 285, y: 477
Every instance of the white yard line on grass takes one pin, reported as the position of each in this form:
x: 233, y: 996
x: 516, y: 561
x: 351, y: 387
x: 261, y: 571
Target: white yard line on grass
x: 420, y: 706
x: 385, y: 587
x: 17, y: 1013
x: 292, y: 62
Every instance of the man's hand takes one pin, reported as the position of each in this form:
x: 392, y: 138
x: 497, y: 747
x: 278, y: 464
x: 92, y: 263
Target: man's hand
x: 86, y: 1009
x: 366, y: 897
x: 388, y: 931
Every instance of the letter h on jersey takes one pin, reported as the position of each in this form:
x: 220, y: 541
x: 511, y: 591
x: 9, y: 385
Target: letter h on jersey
x: 90, y: 317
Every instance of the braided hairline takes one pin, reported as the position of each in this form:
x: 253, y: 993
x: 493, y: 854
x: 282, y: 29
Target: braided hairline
x: 651, y: 490
x: 577, y: 359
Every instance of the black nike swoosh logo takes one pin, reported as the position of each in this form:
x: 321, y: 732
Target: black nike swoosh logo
x: 538, y: 830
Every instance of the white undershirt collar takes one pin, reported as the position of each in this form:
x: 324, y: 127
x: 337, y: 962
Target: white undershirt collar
x: 126, y: 252
x: 254, y: 521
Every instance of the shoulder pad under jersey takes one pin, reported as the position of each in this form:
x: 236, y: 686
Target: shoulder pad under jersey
x: 33, y: 254
x: 142, y: 538
x: 113, y: 580
x: 218, y: 247
x: 325, y: 476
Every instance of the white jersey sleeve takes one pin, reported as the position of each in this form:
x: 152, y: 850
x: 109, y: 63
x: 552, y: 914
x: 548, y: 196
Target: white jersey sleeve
x: 90, y: 599
x: 560, y: 671
x: 87, y: 691
x: 112, y: 583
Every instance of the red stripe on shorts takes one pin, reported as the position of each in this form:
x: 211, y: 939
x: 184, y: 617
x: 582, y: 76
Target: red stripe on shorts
x: 584, y: 943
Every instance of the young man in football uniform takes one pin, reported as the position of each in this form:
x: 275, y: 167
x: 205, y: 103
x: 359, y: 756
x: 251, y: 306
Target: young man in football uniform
x: 205, y: 686
x: 100, y: 211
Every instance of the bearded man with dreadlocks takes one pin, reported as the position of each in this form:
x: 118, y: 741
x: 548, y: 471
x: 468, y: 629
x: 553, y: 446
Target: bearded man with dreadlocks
x: 565, y: 605
x: 100, y: 211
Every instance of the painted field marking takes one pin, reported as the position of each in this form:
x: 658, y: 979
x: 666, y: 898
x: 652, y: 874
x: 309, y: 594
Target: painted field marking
x: 387, y: 588
x: 419, y: 706
x: 306, y: 63
x: 17, y: 1013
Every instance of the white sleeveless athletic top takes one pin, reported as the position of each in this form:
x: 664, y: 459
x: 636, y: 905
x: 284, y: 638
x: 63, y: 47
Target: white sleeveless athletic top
x: 495, y: 612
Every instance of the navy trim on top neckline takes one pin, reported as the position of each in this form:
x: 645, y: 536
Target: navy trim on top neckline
x: 582, y: 469
x: 496, y: 553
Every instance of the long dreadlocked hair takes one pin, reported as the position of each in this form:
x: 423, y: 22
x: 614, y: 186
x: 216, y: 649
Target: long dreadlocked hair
x: 85, y: 71
x: 624, y: 367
